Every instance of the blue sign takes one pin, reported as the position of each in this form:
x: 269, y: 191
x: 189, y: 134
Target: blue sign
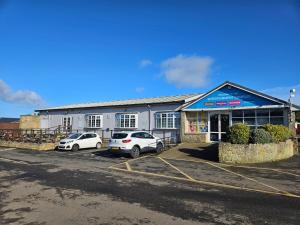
x: 230, y: 97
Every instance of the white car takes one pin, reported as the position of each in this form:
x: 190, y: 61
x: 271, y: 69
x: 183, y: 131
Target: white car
x: 79, y: 141
x: 134, y: 143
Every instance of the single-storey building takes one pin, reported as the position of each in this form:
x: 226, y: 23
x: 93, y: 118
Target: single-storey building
x: 159, y: 115
x: 207, y: 118
x: 189, y: 118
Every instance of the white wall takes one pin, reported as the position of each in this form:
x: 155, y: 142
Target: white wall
x: 54, y: 118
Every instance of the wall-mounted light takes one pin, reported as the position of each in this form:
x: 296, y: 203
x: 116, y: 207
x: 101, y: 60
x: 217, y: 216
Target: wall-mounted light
x: 292, y: 92
x: 292, y: 95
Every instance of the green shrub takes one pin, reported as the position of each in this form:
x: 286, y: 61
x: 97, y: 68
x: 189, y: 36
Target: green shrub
x: 279, y: 133
x: 239, y: 134
x: 260, y: 136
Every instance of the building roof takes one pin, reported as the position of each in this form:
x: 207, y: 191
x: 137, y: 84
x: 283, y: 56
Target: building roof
x: 279, y: 101
x: 141, y: 101
x: 9, y: 120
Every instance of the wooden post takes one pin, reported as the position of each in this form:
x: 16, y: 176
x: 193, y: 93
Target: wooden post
x: 41, y: 135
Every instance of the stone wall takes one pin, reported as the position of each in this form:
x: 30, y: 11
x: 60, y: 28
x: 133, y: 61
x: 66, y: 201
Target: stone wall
x: 194, y: 138
x: 30, y: 122
x: 255, y: 153
x: 24, y: 145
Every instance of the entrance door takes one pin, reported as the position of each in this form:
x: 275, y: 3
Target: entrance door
x: 219, y: 123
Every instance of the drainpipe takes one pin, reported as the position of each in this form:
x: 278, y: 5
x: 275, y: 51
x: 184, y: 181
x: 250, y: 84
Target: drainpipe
x: 149, y: 118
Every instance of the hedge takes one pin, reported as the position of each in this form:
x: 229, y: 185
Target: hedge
x: 260, y: 136
x: 238, y: 133
x: 279, y: 133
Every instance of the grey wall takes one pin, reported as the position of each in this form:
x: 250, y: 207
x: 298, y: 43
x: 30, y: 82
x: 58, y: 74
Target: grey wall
x: 54, y: 118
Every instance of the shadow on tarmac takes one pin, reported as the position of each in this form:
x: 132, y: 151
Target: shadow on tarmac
x: 209, y: 152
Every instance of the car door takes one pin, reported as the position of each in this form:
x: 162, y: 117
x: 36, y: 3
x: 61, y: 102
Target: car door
x: 90, y: 141
x: 150, y: 140
x: 93, y: 140
x: 82, y: 141
x: 140, y: 140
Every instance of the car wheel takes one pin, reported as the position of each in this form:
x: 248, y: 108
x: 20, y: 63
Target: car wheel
x: 75, y: 147
x: 98, y: 145
x: 159, y: 148
x: 135, y: 152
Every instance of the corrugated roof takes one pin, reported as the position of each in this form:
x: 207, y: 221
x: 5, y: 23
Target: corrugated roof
x: 140, y: 101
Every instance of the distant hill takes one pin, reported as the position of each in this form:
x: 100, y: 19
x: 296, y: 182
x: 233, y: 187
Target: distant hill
x: 9, y: 120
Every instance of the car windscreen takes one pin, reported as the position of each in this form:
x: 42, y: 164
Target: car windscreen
x: 119, y: 135
x: 74, y: 136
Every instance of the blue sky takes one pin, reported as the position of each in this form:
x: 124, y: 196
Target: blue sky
x: 60, y: 52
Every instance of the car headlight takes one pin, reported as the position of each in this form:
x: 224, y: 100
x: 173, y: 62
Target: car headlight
x: 69, y: 142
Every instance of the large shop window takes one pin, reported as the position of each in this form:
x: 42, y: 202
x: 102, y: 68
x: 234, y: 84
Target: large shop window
x: 126, y: 120
x: 259, y: 117
x: 94, y: 121
x: 169, y: 120
x: 196, y: 122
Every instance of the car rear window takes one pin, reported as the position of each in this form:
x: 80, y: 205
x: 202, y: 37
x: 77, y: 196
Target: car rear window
x: 119, y: 135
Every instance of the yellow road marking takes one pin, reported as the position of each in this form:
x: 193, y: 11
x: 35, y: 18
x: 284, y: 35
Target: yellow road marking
x: 227, y: 165
x: 14, y: 161
x: 7, y: 149
x: 248, y: 178
x: 130, y: 160
x: 174, y: 167
x: 289, y: 173
x: 128, y: 166
x: 189, y: 178
x: 209, y: 183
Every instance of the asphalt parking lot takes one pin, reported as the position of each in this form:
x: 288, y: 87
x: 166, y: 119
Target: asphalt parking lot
x: 96, y: 187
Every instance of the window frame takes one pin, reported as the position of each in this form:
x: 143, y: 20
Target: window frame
x: 197, y: 121
x: 164, y: 118
x: 69, y: 121
x: 257, y: 117
x: 122, y: 119
x: 91, y: 123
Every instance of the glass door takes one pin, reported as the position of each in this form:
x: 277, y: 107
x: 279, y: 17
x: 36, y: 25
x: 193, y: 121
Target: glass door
x: 219, y: 123
x: 214, y: 127
x: 224, y: 122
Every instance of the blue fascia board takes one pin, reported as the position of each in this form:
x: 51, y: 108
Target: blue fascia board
x: 229, y: 96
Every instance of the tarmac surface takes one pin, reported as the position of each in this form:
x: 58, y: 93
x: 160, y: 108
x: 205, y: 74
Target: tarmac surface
x: 180, y: 186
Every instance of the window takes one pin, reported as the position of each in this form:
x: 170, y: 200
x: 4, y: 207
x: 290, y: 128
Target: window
x: 126, y: 120
x: 147, y: 135
x: 67, y: 122
x: 94, y: 121
x: 168, y: 120
x: 74, y: 136
x: 196, y: 122
x: 137, y: 135
x: 119, y: 135
x: 259, y: 117
x: 276, y: 116
x: 90, y: 136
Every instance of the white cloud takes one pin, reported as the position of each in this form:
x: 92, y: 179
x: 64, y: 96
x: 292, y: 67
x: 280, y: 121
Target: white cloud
x: 145, y: 63
x: 284, y: 93
x: 21, y: 96
x: 187, y: 71
x: 139, y: 89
